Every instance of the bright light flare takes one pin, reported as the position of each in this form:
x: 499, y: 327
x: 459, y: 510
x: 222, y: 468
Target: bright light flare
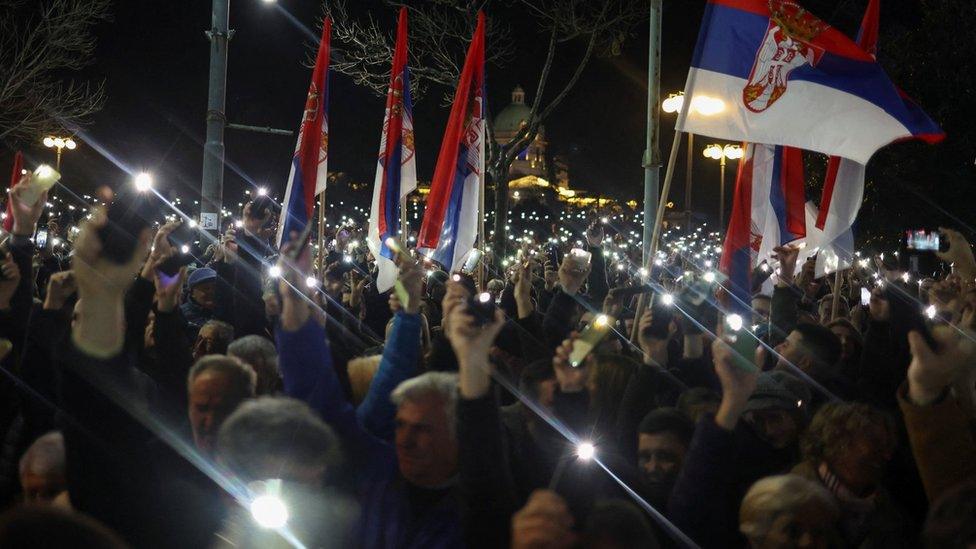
x: 735, y: 322
x: 262, y: 191
x: 269, y: 511
x: 667, y: 299
x: 311, y: 282
x: 930, y: 311
x: 185, y: 248
x: 585, y: 451
x: 143, y: 182
x: 274, y: 271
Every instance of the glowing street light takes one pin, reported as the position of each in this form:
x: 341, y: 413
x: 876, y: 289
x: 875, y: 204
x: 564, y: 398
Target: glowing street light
x: 59, y: 143
x: 143, y: 182
x: 719, y: 152
x: 701, y: 105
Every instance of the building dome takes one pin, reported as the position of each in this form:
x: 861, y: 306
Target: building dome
x: 512, y: 117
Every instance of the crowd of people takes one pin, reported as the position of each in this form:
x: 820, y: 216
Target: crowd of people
x: 258, y: 397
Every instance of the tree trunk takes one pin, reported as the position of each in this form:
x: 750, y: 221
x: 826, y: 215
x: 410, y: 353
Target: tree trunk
x: 500, y: 240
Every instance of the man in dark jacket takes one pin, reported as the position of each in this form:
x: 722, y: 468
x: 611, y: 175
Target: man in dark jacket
x: 199, y: 306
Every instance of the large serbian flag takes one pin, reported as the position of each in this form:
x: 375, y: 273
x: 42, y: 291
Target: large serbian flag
x: 768, y: 71
x: 309, y: 166
x: 450, y: 224
x: 396, y: 170
x: 767, y: 211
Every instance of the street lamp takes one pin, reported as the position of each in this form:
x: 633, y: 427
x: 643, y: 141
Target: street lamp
x: 704, y: 106
x: 59, y: 143
x: 721, y: 153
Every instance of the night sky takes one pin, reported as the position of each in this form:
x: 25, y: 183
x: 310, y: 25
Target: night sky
x: 154, y: 58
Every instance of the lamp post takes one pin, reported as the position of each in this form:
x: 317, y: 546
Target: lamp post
x: 719, y: 152
x: 59, y: 143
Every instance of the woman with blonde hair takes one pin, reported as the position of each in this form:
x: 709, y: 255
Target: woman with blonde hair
x: 786, y: 511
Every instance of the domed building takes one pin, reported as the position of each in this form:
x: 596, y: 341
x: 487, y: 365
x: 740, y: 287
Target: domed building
x: 532, y: 160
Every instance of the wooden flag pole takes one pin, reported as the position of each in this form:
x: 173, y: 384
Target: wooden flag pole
x: 656, y: 235
x: 321, y: 236
x: 835, y: 305
x: 481, y: 230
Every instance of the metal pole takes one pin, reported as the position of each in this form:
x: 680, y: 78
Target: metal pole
x: 481, y: 234
x: 835, y: 304
x: 321, y: 236
x: 652, y: 151
x: 688, y: 168
x: 212, y: 187
x: 721, y: 190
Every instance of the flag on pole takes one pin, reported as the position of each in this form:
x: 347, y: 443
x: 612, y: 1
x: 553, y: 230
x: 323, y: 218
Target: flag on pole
x: 450, y: 224
x: 15, y: 175
x: 767, y: 211
x: 396, y: 169
x: 779, y: 75
x: 309, y: 165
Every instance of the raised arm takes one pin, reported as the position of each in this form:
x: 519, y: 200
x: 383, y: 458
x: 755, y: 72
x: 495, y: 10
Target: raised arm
x: 401, y: 355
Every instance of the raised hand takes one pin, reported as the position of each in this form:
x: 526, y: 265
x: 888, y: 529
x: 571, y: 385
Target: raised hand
x: 572, y: 275
x: 594, y: 235
x: 168, y: 289
x: 655, y: 349
x: 522, y: 278
x: 9, y: 281
x: 471, y: 342
x: 787, y: 256
x: 737, y: 383
x: 25, y: 215
x: 930, y: 371
x: 59, y: 288
x: 959, y: 254
x: 160, y: 248
x: 295, y: 304
x: 412, y: 278
x: 544, y: 523
x: 570, y: 380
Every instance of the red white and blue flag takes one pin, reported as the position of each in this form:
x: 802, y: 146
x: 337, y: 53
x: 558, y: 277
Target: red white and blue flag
x: 309, y: 166
x: 767, y: 211
x: 15, y: 175
x: 779, y: 75
x: 450, y: 226
x: 396, y: 170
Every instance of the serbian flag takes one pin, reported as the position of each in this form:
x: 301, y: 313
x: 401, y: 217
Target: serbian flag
x: 768, y: 71
x: 767, y: 211
x: 15, y: 175
x: 396, y: 170
x: 309, y: 166
x: 450, y: 224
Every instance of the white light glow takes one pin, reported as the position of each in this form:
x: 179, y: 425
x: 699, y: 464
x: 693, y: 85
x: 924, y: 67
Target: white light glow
x: 143, y: 182
x: 735, y: 322
x: 274, y: 271
x: 269, y: 511
x: 585, y: 451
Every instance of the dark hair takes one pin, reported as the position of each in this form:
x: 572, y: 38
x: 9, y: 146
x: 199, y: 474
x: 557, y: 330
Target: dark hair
x: 535, y: 373
x: 667, y: 420
x: 696, y: 396
x: 618, y: 523
x: 823, y: 344
x: 610, y: 375
x: 950, y: 522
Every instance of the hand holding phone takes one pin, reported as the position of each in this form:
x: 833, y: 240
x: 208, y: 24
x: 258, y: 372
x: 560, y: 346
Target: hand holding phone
x: 592, y: 335
x: 43, y: 178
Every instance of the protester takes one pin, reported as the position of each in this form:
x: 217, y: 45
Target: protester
x: 428, y: 417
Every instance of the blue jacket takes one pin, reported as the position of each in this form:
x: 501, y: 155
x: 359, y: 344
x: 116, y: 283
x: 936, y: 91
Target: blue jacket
x: 386, y: 520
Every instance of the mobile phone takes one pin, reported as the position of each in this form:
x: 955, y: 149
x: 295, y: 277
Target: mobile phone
x: 924, y: 240
x: 43, y: 179
x: 303, y: 240
x: 128, y: 215
x: 482, y: 308
x: 744, y: 344
x: 661, y: 315
x: 174, y: 263
x: 471, y: 260
x: 631, y: 291
x: 394, y: 246
x: 592, y: 335
x: 40, y: 238
x: 865, y: 297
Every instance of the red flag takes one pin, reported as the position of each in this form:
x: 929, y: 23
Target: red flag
x: 450, y: 224
x: 8, y: 222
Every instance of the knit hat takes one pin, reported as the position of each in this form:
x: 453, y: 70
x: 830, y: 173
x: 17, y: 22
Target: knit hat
x: 779, y: 391
x: 204, y: 274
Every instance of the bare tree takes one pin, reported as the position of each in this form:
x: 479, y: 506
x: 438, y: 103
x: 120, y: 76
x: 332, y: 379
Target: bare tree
x: 439, y: 33
x: 40, y: 40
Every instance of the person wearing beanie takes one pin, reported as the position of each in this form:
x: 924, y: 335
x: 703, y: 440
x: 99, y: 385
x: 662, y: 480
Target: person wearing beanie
x: 201, y: 301
x: 777, y: 410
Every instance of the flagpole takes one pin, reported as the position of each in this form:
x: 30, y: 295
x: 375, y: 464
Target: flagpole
x: 835, y: 305
x: 481, y: 229
x: 321, y: 235
x: 656, y: 234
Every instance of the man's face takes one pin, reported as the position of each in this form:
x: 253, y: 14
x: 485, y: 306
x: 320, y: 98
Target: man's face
x: 211, y: 400
x: 42, y: 488
x: 760, y: 310
x: 660, y: 456
x: 861, y: 463
x: 207, y: 342
x: 333, y: 286
x: 777, y: 427
x: 426, y: 449
x: 848, y: 344
x: 203, y: 293
x: 792, y: 351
